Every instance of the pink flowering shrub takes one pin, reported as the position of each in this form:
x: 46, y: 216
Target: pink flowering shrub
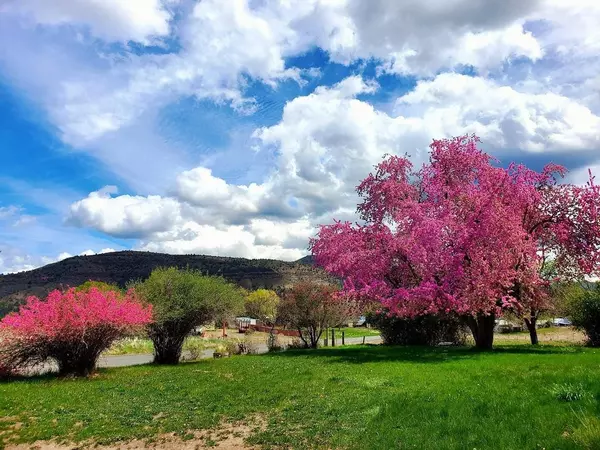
x: 71, y: 327
x: 462, y: 235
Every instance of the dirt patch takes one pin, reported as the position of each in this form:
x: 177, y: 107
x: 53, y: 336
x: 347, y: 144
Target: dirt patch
x: 227, y: 436
x: 566, y: 335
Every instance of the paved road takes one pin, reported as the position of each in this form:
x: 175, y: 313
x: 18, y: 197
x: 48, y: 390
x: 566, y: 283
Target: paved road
x: 134, y: 360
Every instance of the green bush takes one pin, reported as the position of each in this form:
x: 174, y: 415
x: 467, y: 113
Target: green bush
x: 237, y: 347
x: 585, y: 315
x: 422, y: 330
x: 274, y: 343
x: 100, y: 285
x: 194, y: 348
x: 183, y: 299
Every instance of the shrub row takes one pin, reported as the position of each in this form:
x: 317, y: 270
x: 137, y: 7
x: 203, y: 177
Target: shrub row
x: 423, y: 330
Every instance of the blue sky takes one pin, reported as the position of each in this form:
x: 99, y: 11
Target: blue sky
x: 190, y: 127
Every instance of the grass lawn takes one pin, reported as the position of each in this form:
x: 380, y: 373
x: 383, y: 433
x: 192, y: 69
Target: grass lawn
x: 355, y: 332
x: 140, y: 346
x: 358, y: 397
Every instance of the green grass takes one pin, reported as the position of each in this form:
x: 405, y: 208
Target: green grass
x: 355, y: 332
x: 140, y: 346
x: 359, y: 397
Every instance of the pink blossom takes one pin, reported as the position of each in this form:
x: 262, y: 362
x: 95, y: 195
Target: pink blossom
x: 462, y: 234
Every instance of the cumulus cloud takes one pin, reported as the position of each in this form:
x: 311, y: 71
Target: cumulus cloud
x: 107, y: 104
x: 200, y: 188
x: 407, y: 37
x: 235, y: 240
x: 326, y: 142
x: 114, y: 20
x: 424, y: 36
x: 329, y: 140
x: 503, y: 117
x: 125, y: 215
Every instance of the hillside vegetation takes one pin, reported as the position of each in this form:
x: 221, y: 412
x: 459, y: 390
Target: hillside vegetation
x: 121, y: 267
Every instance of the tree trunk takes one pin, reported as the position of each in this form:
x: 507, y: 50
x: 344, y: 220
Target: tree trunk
x: 77, y: 361
x: 482, y: 328
x: 167, y: 349
x: 167, y: 353
x: 531, y: 322
x: 314, y: 340
x: 168, y: 340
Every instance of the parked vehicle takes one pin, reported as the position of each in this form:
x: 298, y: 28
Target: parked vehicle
x: 504, y: 326
x: 562, y: 322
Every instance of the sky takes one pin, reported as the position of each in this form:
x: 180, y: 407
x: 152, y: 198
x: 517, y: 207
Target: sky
x: 236, y: 127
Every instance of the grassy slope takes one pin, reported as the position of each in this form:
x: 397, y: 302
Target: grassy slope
x: 353, y: 397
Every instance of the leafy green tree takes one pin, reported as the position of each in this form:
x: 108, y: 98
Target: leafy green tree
x: 183, y: 299
x: 100, y: 285
x: 262, y: 304
x: 585, y: 314
x: 564, y: 297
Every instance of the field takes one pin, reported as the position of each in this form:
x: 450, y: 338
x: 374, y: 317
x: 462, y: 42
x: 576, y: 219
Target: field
x: 359, y: 397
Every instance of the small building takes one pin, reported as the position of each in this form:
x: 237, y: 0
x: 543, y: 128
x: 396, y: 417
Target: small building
x: 244, y: 322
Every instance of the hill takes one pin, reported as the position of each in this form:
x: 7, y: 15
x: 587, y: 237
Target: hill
x: 121, y: 267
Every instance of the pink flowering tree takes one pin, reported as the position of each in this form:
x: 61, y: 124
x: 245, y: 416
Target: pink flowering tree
x: 463, y: 236
x: 70, y: 327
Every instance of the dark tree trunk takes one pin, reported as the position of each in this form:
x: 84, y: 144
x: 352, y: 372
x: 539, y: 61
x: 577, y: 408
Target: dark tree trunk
x: 168, y: 352
x: 303, y: 338
x: 531, y: 322
x: 482, y: 328
x: 79, y: 359
x: 168, y: 340
x: 167, y: 346
x: 314, y: 338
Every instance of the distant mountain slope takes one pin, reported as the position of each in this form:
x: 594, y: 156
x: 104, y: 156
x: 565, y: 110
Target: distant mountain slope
x: 308, y: 259
x: 121, y: 267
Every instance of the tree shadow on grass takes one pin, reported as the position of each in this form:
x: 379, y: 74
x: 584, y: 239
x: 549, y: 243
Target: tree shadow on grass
x: 417, y: 354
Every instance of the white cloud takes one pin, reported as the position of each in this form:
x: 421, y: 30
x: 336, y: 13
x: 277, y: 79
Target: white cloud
x: 125, y: 215
x: 214, y: 58
x: 222, y: 45
x: 236, y: 240
x: 503, y: 117
x: 15, y: 217
x: 114, y: 20
x: 329, y: 140
x: 200, y: 188
x: 8, y: 212
x: 13, y: 260
x: 109, y: 105
x: 581, y: 176
x: 326, y: 143
x: 424, y: 36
